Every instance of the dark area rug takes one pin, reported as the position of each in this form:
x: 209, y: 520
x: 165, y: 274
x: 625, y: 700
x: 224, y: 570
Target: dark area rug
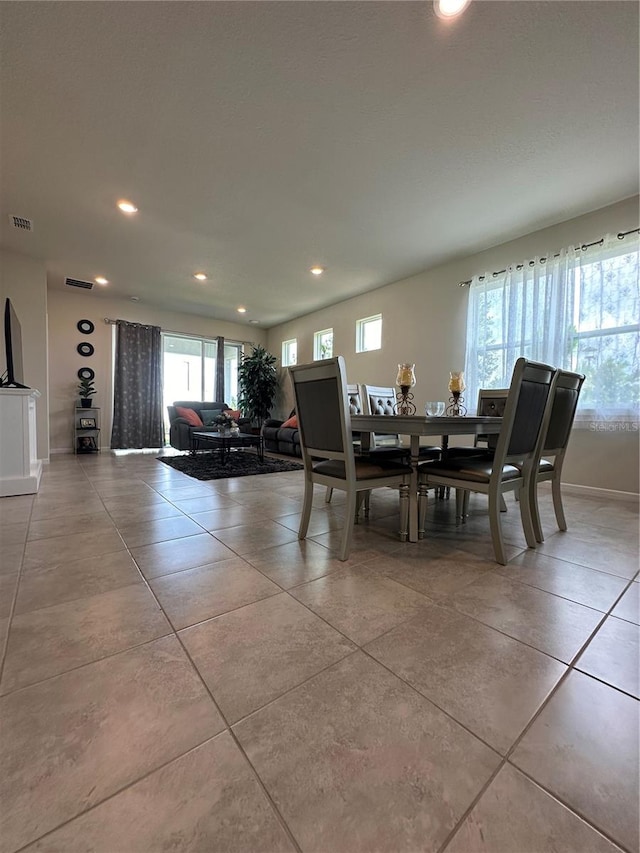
x: 207, y: 466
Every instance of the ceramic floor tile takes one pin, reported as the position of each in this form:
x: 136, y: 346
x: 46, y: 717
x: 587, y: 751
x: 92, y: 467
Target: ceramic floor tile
x: 569, y: 580
x: 255, y: 536
x: 55, y: 639
x: 126, y: 516
x: 594, y: 548
x: 428, y: 570
x: 613, y: 656
x: 208, y: 799
x: 551, y: 624
x: 55, y: 508
x: 296, y: 562
x: 583, y: 747
x: 196, y: 594
x: 125, y: 715
x: 357, y: 761
x: 490, y: 683
x: 47, y: 528
x: 159, y: 530
x: 516, y: 816
x: 8, y: 584
x: 255, y: 654
x: 11, y: 559
x: 43, y: 586
x: 219, y: 519
x: 13, y: 534
x: 163, y: 558
x: 360, y: 606
x: 16, y: 510
x: 205, y: 504
x: 628, y: 607
x: 77, y: 546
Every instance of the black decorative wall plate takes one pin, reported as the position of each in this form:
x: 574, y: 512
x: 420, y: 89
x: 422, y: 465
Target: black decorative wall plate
x: 85, y: 349
x: 85, y: 326
x: 86, y: 373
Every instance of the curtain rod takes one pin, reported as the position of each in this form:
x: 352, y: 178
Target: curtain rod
x: 111, y: 322
x: 621, y: 235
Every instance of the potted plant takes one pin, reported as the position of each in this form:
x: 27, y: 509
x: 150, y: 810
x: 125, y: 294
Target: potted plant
x: 86, y: 391
x: 257, y: 385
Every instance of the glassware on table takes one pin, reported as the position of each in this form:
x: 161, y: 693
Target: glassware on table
x: 405, y: 379
x: 456, y: 387
x: 434, y: 409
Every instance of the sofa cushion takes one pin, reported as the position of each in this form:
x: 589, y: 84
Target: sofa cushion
x: 210, y: 416
x: 190, y: 416
x: 292, y: 423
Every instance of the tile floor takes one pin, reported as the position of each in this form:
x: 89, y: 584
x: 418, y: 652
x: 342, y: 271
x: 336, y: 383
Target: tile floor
x: 180, y: 673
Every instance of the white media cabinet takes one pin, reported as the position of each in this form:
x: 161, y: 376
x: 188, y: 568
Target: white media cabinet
x: 20, y: 468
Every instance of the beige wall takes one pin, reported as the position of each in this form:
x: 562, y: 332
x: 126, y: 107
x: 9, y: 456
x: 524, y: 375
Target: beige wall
x: 65, y: 309
x: 424, y: 321
x: 24, y: 281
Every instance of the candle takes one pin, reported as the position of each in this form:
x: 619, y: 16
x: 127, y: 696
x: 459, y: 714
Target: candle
x: 456, y: 381
x: 406, y: 376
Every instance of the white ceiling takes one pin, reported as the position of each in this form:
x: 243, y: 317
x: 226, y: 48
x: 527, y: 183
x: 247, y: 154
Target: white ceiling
x: 259, y: 138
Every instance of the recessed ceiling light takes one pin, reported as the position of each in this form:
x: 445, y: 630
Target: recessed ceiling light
x: 127, y: 207
x: 200, y: 276
x: 100, y: 279
x: 450, y: 8
x: 242, y: 310
x: 316, y: 270
x: 255, y: 322
x: 134, y: 298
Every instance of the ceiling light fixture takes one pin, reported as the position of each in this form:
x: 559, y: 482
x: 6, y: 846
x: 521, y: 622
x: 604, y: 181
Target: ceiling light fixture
x: 200, y: 276
x: 127, y: 207
x: 450, y: 8
x: 242, y: 310
x: 100, y: 279
x: 316, y: 270
x: 254, y: 322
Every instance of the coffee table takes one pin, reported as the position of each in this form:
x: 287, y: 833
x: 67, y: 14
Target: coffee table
x: 224, y: 443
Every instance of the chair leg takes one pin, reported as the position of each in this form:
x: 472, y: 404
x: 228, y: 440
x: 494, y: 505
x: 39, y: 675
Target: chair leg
x: 462, y: 503
x: 306, y: 509
x: 503, y: 506
x: 526, y: 514
x: 328, y: 495
x: 496, y: 529
x: 557, y: 503
x: 404, y: 512
x: 347, y: 532
x: 535, y: 512
x: 422, y: 508
x: 367, y: 503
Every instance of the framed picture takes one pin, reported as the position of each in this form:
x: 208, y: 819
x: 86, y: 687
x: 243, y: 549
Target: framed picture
x: 87, y: 423
x: 86, y: 443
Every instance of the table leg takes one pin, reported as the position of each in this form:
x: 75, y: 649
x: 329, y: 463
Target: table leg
x: 413, y: 489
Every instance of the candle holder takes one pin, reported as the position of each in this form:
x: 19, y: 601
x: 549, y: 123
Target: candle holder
x: 456, y: 387
x: 405, y: 379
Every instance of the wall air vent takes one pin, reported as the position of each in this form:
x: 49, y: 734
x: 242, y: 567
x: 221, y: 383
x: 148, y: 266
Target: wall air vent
x: 21, y: 223
x: 75, y: 282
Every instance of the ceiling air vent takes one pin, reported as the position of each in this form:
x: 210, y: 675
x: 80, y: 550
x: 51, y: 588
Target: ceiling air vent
x: 75, y: 282
x: 21, y: 223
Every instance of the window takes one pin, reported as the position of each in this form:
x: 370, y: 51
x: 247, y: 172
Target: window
x: 579, y: 310
x: 189, y: 369
x: 369, y: 333
x: 323, y: 344
x: 289, y: 352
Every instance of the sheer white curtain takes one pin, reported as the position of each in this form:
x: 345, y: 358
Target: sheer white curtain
x: 579, y: 310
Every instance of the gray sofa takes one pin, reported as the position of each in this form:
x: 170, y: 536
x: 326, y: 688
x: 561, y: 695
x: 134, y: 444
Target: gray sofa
x: 181, y: 431
x: 279, y: 439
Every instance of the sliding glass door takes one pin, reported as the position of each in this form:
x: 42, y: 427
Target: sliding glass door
x: 189, y: 366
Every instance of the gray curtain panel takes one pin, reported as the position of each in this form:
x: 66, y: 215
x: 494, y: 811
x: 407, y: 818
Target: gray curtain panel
x: 219, y: 389
x: 137, y: 397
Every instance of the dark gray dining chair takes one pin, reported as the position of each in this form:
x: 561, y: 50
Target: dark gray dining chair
x: 324, y: 420
x: 526, y: 415
x: 381, y: 400
x: 491, y: 402
x: 563, y: 412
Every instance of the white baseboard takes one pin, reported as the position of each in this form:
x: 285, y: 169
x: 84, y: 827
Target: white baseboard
x: 595, y: 492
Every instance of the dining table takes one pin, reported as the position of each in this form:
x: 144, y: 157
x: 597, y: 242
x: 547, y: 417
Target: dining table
x: 416, y: 427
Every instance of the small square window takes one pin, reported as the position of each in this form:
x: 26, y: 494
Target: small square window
x: 323, y: 344
x: 289, y: 352
x: 369, y: 333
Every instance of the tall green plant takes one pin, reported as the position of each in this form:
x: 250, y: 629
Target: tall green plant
x: 257, y: 384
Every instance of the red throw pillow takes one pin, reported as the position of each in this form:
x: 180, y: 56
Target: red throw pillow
x: 292, y: 423
x: 189, y: 415
x: 234, y: 414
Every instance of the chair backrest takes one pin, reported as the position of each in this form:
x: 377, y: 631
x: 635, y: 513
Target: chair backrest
x: 526, y: 414
x: 491, y: 402
x: 324, y: 420
x: 381, y: 400
x: 355, y: 399
x: 563, y: 411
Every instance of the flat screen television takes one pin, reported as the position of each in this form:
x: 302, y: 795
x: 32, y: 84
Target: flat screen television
x: 14, y: 376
